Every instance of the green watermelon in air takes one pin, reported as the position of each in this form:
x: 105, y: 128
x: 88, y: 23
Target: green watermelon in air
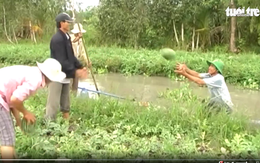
x: 168, y: 54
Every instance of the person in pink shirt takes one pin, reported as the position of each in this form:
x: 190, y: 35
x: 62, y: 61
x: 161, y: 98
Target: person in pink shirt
x: 17, y: 84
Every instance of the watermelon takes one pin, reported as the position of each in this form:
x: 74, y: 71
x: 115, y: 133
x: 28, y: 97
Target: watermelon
x: 27, y: 128
x: 168, y: 53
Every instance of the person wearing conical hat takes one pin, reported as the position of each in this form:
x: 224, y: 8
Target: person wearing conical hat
x: 214, y: 80
x: 78, y: 48
x: 76, y: 39
x: 17, y: 84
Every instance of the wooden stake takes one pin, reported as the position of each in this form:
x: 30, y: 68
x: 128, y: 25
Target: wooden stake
x: 86, y: 57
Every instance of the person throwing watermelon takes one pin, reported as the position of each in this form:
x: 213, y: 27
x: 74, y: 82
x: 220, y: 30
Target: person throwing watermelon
x: 214, y: 80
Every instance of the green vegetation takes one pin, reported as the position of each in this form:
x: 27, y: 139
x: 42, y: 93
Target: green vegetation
x: 108, y: 128
x: 243, y: 70
x: 139, y: 24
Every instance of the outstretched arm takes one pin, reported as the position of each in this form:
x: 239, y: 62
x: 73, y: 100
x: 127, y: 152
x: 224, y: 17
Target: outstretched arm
x: 192, y: 72
x: 189, y: 71
x: 194, y: 78
x: 213, y: 81
x: 182, y: 71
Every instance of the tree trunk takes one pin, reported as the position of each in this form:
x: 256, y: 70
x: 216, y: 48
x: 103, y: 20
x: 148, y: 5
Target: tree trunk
x: 193, y: 40
x: 14, y: 36
x: 32, y: 34
x: 136, y: 46
x: 198, y: 39
x: 193, y: 36
x: 232, y: 43
x: 72, y: 7
x: 175, y: 33
x: 182, y: 34
x: 6, y: 34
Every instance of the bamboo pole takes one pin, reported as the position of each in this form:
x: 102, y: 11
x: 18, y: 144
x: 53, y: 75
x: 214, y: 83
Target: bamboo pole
x: 86, y: 56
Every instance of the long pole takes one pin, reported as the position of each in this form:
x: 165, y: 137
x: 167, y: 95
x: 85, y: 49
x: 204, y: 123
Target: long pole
x: 100, y: 92
x: 86, y: 56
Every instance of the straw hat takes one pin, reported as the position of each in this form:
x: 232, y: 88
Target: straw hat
x: 51, y: 68
x: 76, y: 29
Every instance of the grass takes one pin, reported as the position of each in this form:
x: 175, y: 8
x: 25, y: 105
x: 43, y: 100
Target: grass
x: 242, y: 70
x: 108, y: 128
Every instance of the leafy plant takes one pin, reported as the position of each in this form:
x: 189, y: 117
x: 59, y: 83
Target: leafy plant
x: 242, y: 70
x: 107, y: 128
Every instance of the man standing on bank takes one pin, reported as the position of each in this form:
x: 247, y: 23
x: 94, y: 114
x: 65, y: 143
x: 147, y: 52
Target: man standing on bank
x: 78, y: 47
x: 61, y: 50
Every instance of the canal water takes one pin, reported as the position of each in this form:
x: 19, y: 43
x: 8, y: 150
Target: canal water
x: 147, y: 88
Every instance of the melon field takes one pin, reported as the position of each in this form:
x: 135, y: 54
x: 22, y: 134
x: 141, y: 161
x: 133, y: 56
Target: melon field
x: 111, y: 128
